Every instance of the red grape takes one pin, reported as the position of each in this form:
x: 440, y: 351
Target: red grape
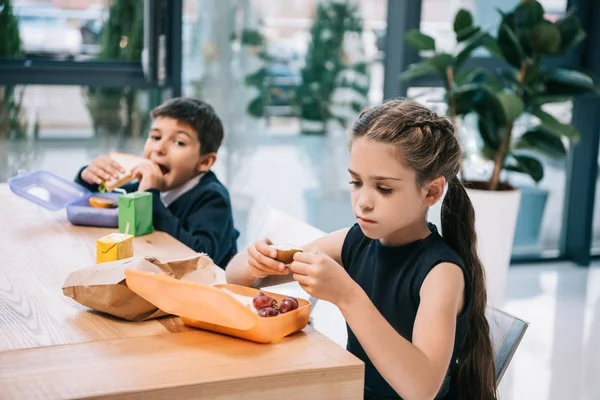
x: 262, y: 300
x: 288, y: 304
x: 267, y: 312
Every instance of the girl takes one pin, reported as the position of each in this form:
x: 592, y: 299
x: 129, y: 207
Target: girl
x: 414, y: 302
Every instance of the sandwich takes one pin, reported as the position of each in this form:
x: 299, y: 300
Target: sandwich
x: 102, y: 202
x: 285, y: 253
x: 128, y: 162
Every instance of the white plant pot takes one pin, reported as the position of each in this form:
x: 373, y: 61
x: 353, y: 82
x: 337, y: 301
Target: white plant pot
x: 495, y: 223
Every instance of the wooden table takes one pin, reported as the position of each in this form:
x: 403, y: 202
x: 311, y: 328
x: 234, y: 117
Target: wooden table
x: 52, y: 347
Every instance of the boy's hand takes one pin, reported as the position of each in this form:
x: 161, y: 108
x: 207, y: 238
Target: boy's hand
x: 322, y: 277
x: 150, y: 177
x: 100, y: 170
x: 261, y: 260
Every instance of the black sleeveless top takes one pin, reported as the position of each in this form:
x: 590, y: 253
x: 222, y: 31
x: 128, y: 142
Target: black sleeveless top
x: 392, y: 278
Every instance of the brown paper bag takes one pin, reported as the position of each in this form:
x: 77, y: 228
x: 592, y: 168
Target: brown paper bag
x: 102, y: 287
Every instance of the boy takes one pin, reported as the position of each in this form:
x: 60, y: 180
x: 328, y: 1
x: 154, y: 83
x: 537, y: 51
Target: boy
x: 189, y: 202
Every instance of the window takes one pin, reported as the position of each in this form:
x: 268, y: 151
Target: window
x: 64, y: 29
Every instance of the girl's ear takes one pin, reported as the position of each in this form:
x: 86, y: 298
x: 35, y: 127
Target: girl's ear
x: 434, y: 190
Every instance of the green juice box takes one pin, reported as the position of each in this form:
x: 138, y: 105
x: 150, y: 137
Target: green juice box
x: 135, y: 213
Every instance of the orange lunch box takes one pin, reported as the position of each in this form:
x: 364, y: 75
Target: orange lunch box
x: 223, y: 308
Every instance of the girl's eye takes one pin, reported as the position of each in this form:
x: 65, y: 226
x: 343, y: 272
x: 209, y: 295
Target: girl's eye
x: 180, y: 143
x: 356, y: 183
x: 155, y: 137
x: 384, y: 190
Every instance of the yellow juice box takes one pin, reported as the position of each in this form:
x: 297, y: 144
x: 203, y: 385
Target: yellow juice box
x: 113, y: 247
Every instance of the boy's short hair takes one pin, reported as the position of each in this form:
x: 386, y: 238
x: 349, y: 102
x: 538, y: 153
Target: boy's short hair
x: 199, y: 115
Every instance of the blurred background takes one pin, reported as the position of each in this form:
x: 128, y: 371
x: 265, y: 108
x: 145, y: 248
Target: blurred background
x: 78, y: 78
x: 81, y: 88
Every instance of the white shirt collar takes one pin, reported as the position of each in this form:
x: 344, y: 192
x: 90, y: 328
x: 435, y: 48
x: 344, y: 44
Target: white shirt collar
x: 170, y: 196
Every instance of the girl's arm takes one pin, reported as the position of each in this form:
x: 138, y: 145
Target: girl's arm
x: 415, y: 370
x: 238, y: 271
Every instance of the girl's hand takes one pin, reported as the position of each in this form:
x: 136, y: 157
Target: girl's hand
x: 321, y: 277
x: 150, y: 177
x: 100, y: 170
x: 261, y: 260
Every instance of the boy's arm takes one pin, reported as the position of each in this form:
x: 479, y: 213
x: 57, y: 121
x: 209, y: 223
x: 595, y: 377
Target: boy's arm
x: 92, y: 187
x: 208, y: 225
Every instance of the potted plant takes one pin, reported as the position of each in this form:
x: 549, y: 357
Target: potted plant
x: 115, y: 110
x: 499, y: 101
x: 331, y: 65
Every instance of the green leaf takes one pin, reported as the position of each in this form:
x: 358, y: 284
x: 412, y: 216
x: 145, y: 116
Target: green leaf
x: 491, y: 133
x: 545, y: 39
x: 414, y: 71
x: 489, y: 153
x: 478, y: 97
x: 509, y: 46
x: 570, y: 31
x: 519, y: 29
x: 512, y: 106
x: 462, y: 20
x: 264, y: 56
x: 476, y: 41
x: 533, y: 74
x: 527, y: 165
x: 486, y: 103
x: 555, y: 127
x: 508, y: 19
x: 581, y: 35
x: 463, y: 76
x: 491, y: 117
x: 463, y: 98
x: 441, y: 62
x: 256, y: 79
x: 528, y: 14
x: 256, y: 107
x: 542, y: 141
x: 522, y: 21
x: 419, y: 41
x: 481, y: 76
x: 436, y: 64
x: 467, y: 33
x: 463, y: 26
x: 510, y: 75
x: 491, y: 45
x: 528, y: 88
x: 252, y: 37
x: 566, y: 81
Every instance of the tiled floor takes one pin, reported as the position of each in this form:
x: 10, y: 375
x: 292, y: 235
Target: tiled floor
x: 559, y: 357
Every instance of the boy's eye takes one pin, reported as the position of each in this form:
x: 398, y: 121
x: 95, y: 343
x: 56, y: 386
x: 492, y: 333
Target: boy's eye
x: 154, y: 137
x: 180, y: 143
x: 384, y: 190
